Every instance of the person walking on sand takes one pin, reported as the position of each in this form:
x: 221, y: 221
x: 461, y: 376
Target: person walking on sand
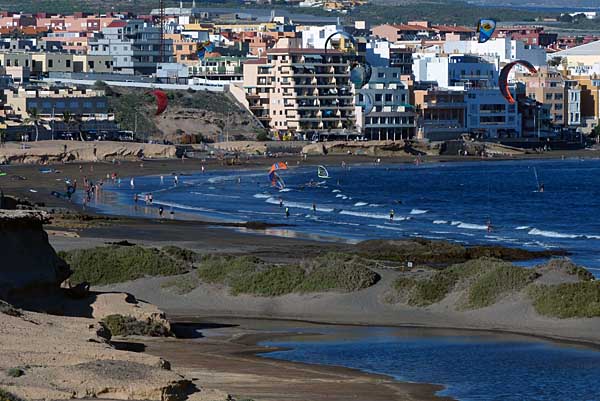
x: 287, y: 212
x: 392, y: 215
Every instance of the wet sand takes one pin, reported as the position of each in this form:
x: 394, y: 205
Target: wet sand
x: 228, y: 360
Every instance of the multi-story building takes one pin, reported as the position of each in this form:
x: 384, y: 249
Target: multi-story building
x: 441, y: 112
x: 533, y: 36
x: 301, y: 91
x: 489, y: 114
x: 385, y: 54
x: 50, y: 102
x: 499, y: 50
x: 590, y: 98
x: 563, y: 97
x: 392, y: 117
x: 588, y: 54
x: 134, y: 47
x: 454, y: 70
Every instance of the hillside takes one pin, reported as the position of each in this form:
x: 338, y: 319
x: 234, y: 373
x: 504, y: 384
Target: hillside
x: 195, y: 114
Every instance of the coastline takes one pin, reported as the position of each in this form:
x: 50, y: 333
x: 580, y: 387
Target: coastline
x: 236, y: 353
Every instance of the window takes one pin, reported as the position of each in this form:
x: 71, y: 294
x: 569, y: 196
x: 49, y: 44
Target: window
x: 87, y: 105
x: 50, y: 63
x: 68, y: 63
x: 179, y: 47
x: 388, y: 97
x: 60, y: 105
x: 380, y: 74
x: 378, y: 97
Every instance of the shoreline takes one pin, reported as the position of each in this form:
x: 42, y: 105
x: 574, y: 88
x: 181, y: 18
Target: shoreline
x: 237, y: 352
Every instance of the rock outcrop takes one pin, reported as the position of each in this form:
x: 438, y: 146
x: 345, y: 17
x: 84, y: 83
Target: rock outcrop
x: 29, y: 264
x: 54, y: 152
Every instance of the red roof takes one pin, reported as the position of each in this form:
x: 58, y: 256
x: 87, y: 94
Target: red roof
x: 117, y: 24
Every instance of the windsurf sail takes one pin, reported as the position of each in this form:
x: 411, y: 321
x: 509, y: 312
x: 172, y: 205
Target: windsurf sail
x: 322, y: 172
x: 537, y: 181
x: 278, y: 166
x: 276, y: 180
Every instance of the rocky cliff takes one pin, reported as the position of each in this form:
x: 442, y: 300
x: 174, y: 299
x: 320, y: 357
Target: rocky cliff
x: 29, y: 264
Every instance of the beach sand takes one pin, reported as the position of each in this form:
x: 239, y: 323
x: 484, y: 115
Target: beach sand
x: 231, y: 365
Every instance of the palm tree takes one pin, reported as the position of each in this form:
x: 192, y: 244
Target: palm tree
x: 79, y: 121
x: 34, y: 119
x: 67, y: 119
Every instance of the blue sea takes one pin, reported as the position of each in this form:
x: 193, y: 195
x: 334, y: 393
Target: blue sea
x: 471, y: 366
x: 453, y: 201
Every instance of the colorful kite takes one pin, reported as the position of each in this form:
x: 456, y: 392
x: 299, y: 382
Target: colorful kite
x: 485, y: 28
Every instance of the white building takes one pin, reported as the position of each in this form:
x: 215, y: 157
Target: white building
x: 489, y: 113
x: 573, y: 104
x: 454, y: 70
x: 498, y: 50
x: 314, y: 37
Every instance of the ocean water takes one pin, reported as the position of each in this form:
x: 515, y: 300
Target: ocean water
x: 452, y: 201
x: 472, y: 366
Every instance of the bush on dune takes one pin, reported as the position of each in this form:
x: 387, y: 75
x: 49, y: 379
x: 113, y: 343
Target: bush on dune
x: 337, y: 271
x: 568, y: 300
x: 117, y: 264
x: 250, y: 275
x: 120, y: 325
x: 486, y: 281
x: 6, y: 396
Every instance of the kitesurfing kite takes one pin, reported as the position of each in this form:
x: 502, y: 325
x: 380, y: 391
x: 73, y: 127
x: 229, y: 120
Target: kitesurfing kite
x: 322, y: 172
x: 203, y: 47
x: 341, y: 43
x: 485, y: 29
x: 360, y: 72
x: 275, y: 179
x: 161, y: 100
x: 503, y: 78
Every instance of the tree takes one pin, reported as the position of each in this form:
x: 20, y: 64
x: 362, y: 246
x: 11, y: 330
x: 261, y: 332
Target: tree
x: 73, y: 120
x: 34, y: 119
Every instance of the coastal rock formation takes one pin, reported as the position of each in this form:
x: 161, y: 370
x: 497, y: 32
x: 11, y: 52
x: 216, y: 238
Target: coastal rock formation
x: 65, y: 357
x: 29, y: 264
x: 54, y: 152
x: 369, y: 148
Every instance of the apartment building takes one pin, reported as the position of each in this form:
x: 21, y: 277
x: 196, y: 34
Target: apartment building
x: 441, y: 113
x: 134, y: 46
x: 391, y: 117
x: 589, y: 98
x: 454, y: 70
x: 301, y: 91
x: 489, y: 114
x: 385, y: 54
x: 548, y: 87
x: 50, y: 102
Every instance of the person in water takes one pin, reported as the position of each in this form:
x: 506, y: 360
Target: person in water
x: 489, y: 226
x: 160, y: 211
x: 392, y: 215
x: 314, y: 207
x: 280, y: 202
x: 135, y: 198
x: 541, y: 188
x: 287, y: 212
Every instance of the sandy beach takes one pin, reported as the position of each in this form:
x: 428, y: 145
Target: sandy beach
x: 228, y: 362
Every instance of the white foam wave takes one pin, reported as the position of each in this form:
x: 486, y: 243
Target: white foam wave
x: 261, y: 196
x: 182, y: 206
x: 455, y: 222
x: 551, y: 234
x: 285, y: 190
x: 522, y: 228
x: 387, y: 227
x: 418, y: 211
x: 336, y: 190
x: 371, y: 215
x: 470, y: 226
x: 374, y: 205
x: 298, y: 205
x: 357, y: 204
x: 216, y: 196
x: 440, y: 222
